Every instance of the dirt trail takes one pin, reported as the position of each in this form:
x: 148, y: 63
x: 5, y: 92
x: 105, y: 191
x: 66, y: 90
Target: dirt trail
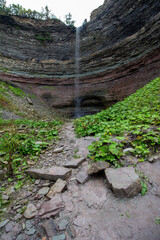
x: 91, y: 212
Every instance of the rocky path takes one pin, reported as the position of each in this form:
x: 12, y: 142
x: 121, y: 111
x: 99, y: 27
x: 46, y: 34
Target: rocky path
x: 80, y: 206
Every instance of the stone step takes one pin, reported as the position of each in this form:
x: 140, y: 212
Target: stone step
x: 53, y: 173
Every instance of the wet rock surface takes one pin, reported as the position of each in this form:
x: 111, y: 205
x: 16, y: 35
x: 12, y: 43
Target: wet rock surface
x: 88, y: 211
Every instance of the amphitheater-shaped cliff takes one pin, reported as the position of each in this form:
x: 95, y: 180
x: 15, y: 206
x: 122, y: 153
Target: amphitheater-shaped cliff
x: 119, y: 53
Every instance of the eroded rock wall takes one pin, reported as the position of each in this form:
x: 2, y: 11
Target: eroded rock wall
x: 119, y: 53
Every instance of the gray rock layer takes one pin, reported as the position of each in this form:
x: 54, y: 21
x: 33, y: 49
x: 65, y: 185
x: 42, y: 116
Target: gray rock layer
x: 119, y: 53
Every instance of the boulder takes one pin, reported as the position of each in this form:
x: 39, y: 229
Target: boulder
x: 123, y: 181
x: 52, y: 174
x: 96, y: 167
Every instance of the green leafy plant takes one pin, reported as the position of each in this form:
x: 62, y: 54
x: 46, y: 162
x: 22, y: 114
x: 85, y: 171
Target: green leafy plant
x: 43, y: 37
x: 134, y: 123
x: 76, y: 156
x: 68, y: 20
x: 18, y: 10
x: 157, y: 220
x: 22, y: 210
x: 144, y: 188
x: 16, y: 91
x: 22, y: 140
x: 144, y: 179
x: 10, y: 145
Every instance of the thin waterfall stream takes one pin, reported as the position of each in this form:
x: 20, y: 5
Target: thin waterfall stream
x: 77, y: 71
x: 83, y: 104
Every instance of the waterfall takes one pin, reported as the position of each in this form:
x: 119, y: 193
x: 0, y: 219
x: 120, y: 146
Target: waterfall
x: 77, y: 71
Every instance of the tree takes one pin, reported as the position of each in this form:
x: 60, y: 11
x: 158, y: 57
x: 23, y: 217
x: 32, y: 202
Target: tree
x: 2, y: 4
x: 46, y: 12
x: 68, y: 20
x: 85, y: 22
x: 18, y: 10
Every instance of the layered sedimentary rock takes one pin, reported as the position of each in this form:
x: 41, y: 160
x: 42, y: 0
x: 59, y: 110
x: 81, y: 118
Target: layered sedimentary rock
x: 119, y: 53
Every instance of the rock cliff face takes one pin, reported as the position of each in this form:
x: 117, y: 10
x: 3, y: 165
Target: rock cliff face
x: 119, y: 53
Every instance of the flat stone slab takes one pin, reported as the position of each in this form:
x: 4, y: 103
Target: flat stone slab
x: 96, y: 167
x: 53, y: 173
x: 74, y: 163
x: 123, y: 181
x: 58, y: 187
x: 52, y: 207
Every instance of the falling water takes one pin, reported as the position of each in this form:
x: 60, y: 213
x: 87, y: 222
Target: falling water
x: 81, y: 110
x: 76, y: 81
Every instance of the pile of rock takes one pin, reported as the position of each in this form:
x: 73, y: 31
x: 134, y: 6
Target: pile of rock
x: 123, y: 181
